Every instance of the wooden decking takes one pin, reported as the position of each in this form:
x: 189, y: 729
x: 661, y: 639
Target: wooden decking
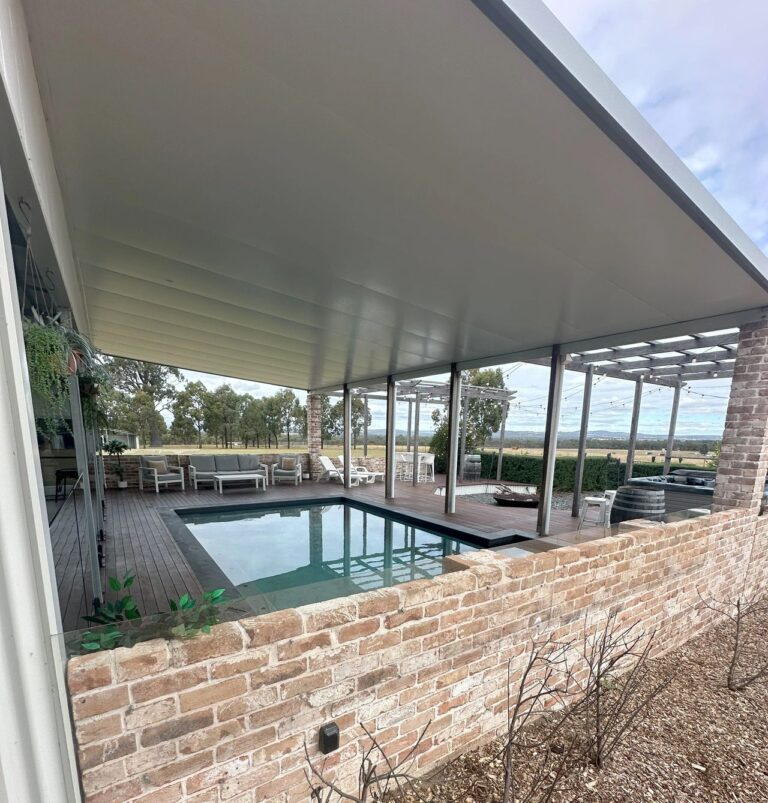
x: 138, y: 541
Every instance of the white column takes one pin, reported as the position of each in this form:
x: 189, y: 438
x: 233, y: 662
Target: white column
x: 390, y: 439
x: 416, y: 415
x: 504, y: 412
x: 672, y: 427
x: 463, y: 448
x: 582, y: 453
x: 365, y: 426
x: 37, y: 759
x: 98, y: 480
x: 347, y: 437
x: 454, y: 405
x: 633, y: 429
x: 556, y: 372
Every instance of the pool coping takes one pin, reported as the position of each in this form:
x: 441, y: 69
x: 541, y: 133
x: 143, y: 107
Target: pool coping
x: 210, y: 575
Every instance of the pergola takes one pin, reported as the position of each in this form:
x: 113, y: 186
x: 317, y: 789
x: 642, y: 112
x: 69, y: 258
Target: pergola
x: 423, y: 391
x: 319, y: 195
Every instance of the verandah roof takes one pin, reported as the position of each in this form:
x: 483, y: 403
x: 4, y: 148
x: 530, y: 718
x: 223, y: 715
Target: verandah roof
x: 312, y: 193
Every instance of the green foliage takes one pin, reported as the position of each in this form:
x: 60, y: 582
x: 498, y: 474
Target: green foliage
x: 47, y: 353
x: 192, y: 618
x: 600, y: 473
x: 714, y: 461
x: 121, y: 620
x: 123, y: 609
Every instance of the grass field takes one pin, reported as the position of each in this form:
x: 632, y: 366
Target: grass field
x: 377, y: 450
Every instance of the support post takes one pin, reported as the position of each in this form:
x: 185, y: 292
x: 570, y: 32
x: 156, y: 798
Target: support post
x: 463, y: 449
x: 390, y: 439
x: 365, y: 426
x: 408, y: 431
x: 416, y: 412
x: 672, y: 427
x: 556, y: 371
x: 36, y: 746
x: 582, y: 453
x: 314, y: 434
x: 633, y: 429
x: 347, y: 451
x: 504, y: 412
x: 81, y: 455
x: 98, y: 483
x: 454, y: 404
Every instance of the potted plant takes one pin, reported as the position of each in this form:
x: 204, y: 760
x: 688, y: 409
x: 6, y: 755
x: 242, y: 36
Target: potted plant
x: 115, y: 448
x: 55, y: 351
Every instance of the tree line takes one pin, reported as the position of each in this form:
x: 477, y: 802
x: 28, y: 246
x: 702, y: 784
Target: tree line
x: 139, y: 393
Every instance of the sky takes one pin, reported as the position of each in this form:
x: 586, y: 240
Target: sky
x: 698, y: 71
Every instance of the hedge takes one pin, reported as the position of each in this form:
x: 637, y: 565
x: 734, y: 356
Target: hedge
x: 600, y: 473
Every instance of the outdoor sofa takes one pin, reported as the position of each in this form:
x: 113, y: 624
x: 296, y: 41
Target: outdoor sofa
x: 203, y: 467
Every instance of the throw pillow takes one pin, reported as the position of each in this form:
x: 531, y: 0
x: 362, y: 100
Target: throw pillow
x: 288, y: 464
x: 159, y: 465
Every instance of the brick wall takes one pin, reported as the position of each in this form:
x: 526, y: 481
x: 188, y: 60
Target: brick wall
x: 224, y: 717
x: 743, y: 462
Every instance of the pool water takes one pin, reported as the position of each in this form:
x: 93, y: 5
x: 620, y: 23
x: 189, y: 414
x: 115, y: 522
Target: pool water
x: 283, y: 557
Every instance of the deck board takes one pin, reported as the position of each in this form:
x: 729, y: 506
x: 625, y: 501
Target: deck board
x: 137, y: 539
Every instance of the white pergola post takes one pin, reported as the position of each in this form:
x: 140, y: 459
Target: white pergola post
x: 502, y: 430
x: 37, y: 757
x: 408, y: 431
x: 81, y: 455
x: 633, y: 429
x: 391, y: 439
x: 454, y: 405
x: 556, y: 371
x: 347, y: 451
x: 365, y: 426
x: 672, y: 427
x: 416, y: 415
x: 582, y: 453
x: 463, y: 448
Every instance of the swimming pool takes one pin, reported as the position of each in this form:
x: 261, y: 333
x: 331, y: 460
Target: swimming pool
x: 290, y: 555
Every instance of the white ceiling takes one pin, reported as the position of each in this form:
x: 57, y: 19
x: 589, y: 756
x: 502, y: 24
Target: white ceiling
x: 306, y: 193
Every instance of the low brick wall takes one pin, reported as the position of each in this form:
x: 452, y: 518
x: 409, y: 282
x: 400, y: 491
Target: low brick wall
x: 224, y: 717
x: 131, y: 465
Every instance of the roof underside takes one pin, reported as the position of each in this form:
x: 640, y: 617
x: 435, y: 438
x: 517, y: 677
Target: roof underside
x: 311, y: 193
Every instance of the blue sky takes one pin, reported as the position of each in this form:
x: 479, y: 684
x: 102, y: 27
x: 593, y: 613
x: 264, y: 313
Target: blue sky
x: 698, y: 71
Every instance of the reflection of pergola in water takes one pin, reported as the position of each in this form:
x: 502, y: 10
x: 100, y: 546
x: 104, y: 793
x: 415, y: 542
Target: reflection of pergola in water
x: 396, y: 564
x: 416, y: 392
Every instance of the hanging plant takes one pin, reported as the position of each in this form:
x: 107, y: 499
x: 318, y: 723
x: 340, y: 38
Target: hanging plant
x: 54, y: 352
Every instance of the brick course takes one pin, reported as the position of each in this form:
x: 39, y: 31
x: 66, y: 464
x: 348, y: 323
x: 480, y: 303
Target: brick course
x: 224, y: 717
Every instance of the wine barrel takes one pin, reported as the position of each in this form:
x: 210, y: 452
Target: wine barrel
x: 634, y: 502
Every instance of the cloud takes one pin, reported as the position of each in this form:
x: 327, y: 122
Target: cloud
x: 698, y: 71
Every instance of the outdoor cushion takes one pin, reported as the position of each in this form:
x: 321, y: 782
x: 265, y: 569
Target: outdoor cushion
x: 160, y: 466
x: 248, y: 462
x: 203, y: 462
x: 288, y: 464
x: 227, y: 462
x: 170, y: 476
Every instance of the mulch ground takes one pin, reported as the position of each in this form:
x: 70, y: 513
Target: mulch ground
x: 698, y: 742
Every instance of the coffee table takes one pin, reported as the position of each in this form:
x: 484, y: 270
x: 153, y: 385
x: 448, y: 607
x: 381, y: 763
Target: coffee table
x: 220, y: 479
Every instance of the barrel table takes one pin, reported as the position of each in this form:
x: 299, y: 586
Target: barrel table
x: 633, y: 502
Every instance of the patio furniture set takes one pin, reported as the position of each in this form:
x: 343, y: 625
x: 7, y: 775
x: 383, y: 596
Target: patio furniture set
x: 404, y: 467
x: 358, y: 474
x: 220, y: 470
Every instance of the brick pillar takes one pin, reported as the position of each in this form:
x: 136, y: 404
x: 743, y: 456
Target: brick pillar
x: 314, y: 431
x: 744, y: 455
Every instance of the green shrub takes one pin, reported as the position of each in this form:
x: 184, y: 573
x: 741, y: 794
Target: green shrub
x: 600, y: 473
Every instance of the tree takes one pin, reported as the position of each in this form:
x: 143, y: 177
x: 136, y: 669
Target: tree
x: 358, y: 417
x: 189, y: 412
x: 328, y: 421
x: 484, y: 416
x: 153, y: 382
x: 289, y: 412
x: 253, y: 425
